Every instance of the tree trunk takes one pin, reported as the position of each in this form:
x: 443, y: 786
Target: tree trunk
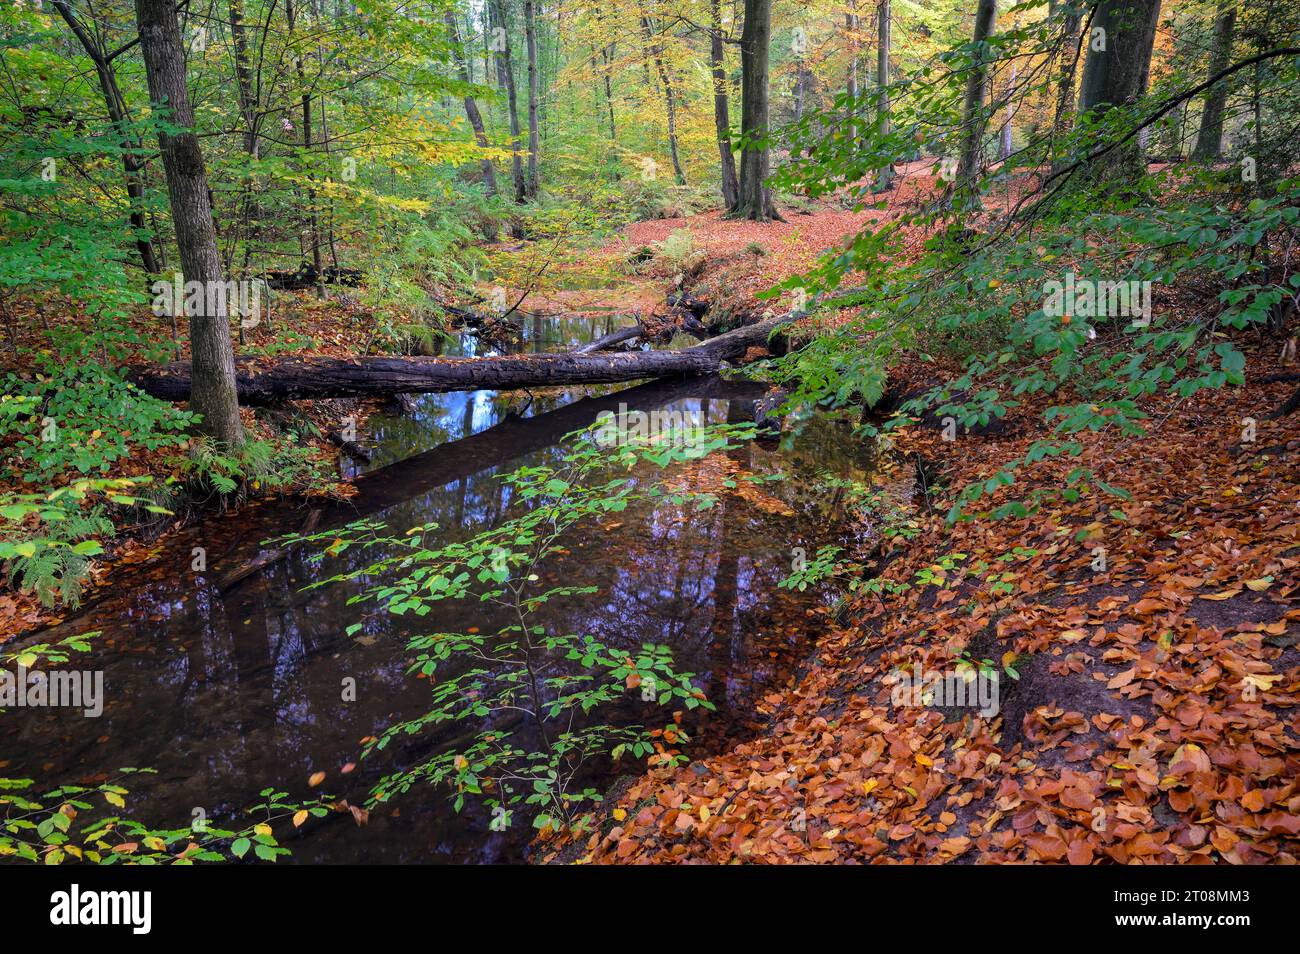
x: 970, y: 161
x: 244, y: 77
x: 1210, y: 140
x: 607, y: 60
x: 506, y: 79
x: 248, y: 111
x: 1068, y: 51
x: 670, y: 97
x: 851, y: 30
x: 530, y: 34
x: 312, y: 225
x: 722, y: 110
x: 885, y: 179
x: 213, y: 392
x: 755, y: 198
x: 115, y: 103
x: 471, y: 105
x: 1004, y: 146
x: 264, y: 382
x: 1116, y: 76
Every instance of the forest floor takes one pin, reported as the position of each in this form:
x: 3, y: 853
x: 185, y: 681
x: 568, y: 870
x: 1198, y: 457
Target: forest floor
x: 1155, y: 715
x: 1145, y: 651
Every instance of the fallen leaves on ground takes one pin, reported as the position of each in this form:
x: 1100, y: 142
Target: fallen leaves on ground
x: 1154, y: 720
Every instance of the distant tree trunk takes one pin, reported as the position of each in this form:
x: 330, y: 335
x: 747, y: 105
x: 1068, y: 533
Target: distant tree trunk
x: 1116, y: 76
x: 885, y: 179
x: 471, y: 105
x: 655, y: 50
x: 607, y: 61
x: 722, y: 110
x: 248, y: 111
x: 1004, y: 147
x: 312, y: 225
x: 851, y: 31
x: 530, y: 36
x: 1068, y: 50
x: 972, y: 114
x: 506, y: 79
x: 213, y: 393
x: 1210, y: 140
x: 800, y: 73
x: 132, y: 148
x: 755, y: 198
x: 244, y: 77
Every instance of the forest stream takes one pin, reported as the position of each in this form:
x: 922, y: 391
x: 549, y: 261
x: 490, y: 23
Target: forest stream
x: 228, y: 682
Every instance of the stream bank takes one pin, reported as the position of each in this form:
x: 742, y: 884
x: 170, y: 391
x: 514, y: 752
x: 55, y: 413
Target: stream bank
x: 1150, y: 714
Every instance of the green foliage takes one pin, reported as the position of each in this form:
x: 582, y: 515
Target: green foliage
x: 82, y: 419
x: 50, y: 653
x: 256, y: 464
x: 48, y: 540
x: 77, y: 823
x: 560, y: 683
x: 821, y: 567
x: 981, y: 300
x: 678, y: 250
x: 642, y: 199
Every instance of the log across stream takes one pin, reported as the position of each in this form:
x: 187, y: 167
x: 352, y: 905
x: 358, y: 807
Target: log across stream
x: 270, y: 380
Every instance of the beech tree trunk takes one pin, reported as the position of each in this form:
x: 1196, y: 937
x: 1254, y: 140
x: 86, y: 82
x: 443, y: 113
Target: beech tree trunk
x: 313, y: 229
x: 755, y: 198
x: 971, y: 158
x: 885, y: 179
x: 851, y: 30
x: 291, y: 378
x: 212, y: 393
x: 1116, y: 75
x: 655, y: 51
x: 1068, y: 11
x: 244, y: 77
x: 1209, y: 142
x: 506, y: 79
x: 722, y: 111
x: 530, y: 36
x: 471, y: 105
x: 1005, y: 145
x: 607, y: 60
x: 267, y: 381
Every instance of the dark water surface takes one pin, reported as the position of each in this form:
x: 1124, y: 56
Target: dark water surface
x: 228, y: 681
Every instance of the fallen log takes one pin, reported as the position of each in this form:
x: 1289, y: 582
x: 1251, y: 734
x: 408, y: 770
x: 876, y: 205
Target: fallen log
x: 350, y: 447
x: 307, y: 277
x: 262, y: 382
x: 613, y: 338
x: 267, y: 381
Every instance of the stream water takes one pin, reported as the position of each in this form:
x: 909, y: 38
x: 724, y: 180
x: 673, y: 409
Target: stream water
x: 228, y: 682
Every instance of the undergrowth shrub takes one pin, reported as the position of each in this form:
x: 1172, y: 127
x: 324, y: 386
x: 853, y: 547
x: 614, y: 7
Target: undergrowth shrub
x: 81, y: 419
